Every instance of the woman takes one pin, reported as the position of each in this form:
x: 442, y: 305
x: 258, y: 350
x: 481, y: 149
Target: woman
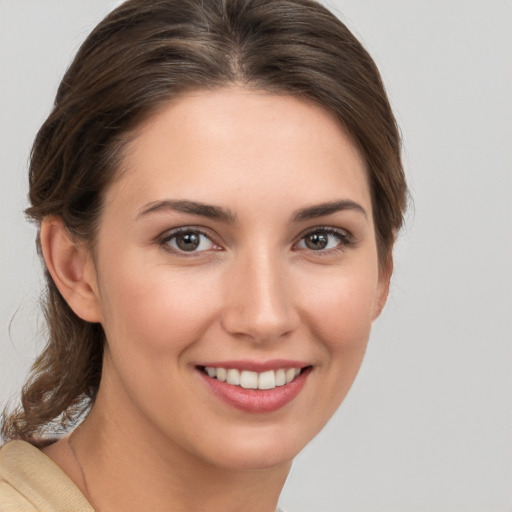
x: 218, y: 190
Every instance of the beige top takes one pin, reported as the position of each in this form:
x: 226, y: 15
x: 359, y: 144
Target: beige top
x: 30, y: 481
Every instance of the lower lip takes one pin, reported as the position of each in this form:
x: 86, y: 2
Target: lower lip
x: 254, y: 400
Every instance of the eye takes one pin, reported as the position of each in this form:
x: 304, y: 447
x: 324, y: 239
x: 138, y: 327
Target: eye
x: 325, y: 240
x: 187, y: 241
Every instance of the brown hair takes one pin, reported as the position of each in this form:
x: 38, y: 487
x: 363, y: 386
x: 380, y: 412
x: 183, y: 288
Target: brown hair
x: 141, y: 56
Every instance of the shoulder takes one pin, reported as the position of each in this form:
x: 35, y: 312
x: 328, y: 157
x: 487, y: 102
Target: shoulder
x: 31, y: 481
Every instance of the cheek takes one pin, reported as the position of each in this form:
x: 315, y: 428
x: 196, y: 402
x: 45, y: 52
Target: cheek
x: 339, y: 319
x: 156, y: 310
x: 339, y: 308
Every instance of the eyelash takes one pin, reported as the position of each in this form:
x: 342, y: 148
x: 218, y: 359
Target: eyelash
x: 345, y: 240
x: 166, y: 238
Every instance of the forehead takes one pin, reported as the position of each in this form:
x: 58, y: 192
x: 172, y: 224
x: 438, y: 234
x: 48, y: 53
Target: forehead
x: 229, y: 144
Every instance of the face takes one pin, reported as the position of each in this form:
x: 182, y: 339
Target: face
x: 236, y: 251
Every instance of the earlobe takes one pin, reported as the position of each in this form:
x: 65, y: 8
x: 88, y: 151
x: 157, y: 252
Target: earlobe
x: 71, y: 268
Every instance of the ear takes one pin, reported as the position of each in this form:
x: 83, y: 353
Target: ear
x: 72, y: 269
x: 382, y: 288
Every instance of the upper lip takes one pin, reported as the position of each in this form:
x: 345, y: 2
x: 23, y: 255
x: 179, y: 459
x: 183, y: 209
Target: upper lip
x: 256, y: 366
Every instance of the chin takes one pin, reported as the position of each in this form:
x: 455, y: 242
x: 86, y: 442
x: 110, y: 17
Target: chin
x: 258, y: 448
x: 254, y: 459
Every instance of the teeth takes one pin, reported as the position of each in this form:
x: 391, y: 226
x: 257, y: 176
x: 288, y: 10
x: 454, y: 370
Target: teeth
x: 280, y: 377
x: 249, y: 380
x: 267, y: 380
x: 253, y: 380
x: 233, y: 377
x: 222, y: 374
x: 290, y: 375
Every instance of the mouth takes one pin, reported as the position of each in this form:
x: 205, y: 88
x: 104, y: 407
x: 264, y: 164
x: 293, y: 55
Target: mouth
x: 248, y: 379
x: 255, y: 391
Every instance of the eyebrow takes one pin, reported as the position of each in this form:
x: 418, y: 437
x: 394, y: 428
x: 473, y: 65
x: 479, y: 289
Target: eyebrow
x: 191, y: 207
x: 224, y: 215
x: 319, y: 210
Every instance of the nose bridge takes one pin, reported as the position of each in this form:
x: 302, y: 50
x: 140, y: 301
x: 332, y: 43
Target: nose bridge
x: 259, y: 302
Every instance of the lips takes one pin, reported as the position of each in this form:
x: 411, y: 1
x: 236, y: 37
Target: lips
x: 255, y: 387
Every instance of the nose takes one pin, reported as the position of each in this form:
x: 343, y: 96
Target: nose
x: 259, y: 304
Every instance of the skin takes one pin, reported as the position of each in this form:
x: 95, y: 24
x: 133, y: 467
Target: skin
x: 254, y: 291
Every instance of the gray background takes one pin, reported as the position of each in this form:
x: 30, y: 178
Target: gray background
x: 427, y: 425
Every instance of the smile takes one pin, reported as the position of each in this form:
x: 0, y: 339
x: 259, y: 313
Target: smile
x: 253, y: 380
x: 255, y: 391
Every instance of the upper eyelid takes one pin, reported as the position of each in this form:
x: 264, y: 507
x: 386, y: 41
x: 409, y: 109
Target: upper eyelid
x: 345, y: 233
x: 168, y: 235
x: 346, y: 240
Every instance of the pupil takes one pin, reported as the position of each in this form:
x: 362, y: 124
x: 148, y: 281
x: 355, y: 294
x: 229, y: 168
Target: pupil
x: 316, y: 241
x: 188, y: 241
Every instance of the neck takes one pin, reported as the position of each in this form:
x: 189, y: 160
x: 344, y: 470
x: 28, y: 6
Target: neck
x: 115, y: 455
